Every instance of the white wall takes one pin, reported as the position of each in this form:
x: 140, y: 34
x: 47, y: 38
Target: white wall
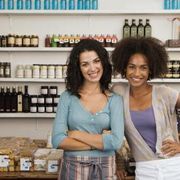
x: 57, y: 24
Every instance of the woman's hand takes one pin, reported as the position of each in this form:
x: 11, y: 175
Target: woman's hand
x: 170, y: 147
x: 75, y: 134
x: 121, y: 174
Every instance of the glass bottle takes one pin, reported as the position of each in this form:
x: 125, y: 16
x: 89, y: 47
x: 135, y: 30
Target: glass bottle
x: 133, y: 29
x: 126, y: 29
x: 19, y: 99
x: 19, y: 4
x: 7, y: 101
x: 147, y: 29
x: 2, y: 100
x: 14, y: 100
x: 37, y: 4
x: 140, y: 29
x: 26, y: 100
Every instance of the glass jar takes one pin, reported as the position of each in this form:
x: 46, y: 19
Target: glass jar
x: 53, y: 90
x: 48, y: 99
x: 28, y: 71
x: 18, y: 41
x: 56, y: 99
x: 64, y: 70
x: 43, y: 71
x: 49, y: 108
x: 36, y: 71
x: 20, y: 71
x: 40, y: 99
x: 51, y: 71
x: 41, y: 108
x: 33, y: 108
x: 58, y: 71
x: 44, y: 90
x: 34, y: 99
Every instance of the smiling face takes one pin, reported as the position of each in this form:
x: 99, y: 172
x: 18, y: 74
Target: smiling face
x: 137, y: 71
x: 91, y: 66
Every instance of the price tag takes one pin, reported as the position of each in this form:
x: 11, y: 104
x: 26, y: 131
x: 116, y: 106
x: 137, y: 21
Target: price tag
x: 4, y: 161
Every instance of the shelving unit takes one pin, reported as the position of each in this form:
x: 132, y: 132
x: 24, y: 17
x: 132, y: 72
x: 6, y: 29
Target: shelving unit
x: 89, y: 12
x: 59, y: 49
x: 43, y: 22
x: 33, y: 80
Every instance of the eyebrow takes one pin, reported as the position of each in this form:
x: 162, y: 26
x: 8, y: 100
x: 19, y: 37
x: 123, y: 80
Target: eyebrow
x: 89, y: 60
x: 135, y: 64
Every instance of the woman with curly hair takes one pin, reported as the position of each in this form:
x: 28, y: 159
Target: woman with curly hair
x: 150, y: 110
x: 86, y: 108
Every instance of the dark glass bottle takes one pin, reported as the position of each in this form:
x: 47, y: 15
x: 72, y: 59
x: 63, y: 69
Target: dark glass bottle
x: 2, y: 99
x: 26, y: 100
x: 147, y: 29
x: 19, y: 99
x: 126, y: 29
x: 140, y: 29
x: 133, y: 29
x: 7, y: 100
x: 14, y: 100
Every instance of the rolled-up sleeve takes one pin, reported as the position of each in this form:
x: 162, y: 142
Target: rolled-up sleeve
x: 113, y: 141
x: 60, y: 126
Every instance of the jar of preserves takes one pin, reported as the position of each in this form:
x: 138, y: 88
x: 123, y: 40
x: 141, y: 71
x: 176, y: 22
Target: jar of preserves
x: 18, y: 41
x: 20, y: 71
x: 34, y: 41
x: 53, y: 90
x: 51, y: 71
x: 36, y: 71
x: 44, y: 90
x: 41, y: 108
x: 33, y: 108
x: 58, y: 71
x: 26, y: 41
x: 28, y: 71
x: 10, y: 40
x: 43, y: 71
x: 49, y: 108
x: 34, y: 99
x: 40, y: 99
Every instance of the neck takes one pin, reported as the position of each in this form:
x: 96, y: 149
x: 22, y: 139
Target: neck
x: 137, y: 92
x: 90, y: 88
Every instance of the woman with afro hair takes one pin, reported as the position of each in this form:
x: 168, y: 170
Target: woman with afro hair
x: 150, y: 110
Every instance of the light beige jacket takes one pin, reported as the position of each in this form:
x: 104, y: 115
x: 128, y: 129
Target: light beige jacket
x: 163, y: 102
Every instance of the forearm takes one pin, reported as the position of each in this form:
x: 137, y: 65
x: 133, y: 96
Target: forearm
x: 93, y: 140
x: 73, y: 145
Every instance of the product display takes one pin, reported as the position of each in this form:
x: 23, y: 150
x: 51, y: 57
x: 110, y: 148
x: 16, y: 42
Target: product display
x: 49, y: 4
x: 137, y: 31
x: 35, y: 40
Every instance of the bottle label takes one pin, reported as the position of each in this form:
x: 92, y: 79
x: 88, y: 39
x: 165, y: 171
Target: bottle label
x: 19, y: 104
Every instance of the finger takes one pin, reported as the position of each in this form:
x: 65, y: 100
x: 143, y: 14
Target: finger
x: 168, y: 141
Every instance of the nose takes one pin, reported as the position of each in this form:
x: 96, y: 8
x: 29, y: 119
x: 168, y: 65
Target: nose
x: 92, y: 66
x: 137, y: 72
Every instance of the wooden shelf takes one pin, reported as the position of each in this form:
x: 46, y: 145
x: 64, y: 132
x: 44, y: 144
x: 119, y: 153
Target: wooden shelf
x: 27, y: 175
x: 89, y: 12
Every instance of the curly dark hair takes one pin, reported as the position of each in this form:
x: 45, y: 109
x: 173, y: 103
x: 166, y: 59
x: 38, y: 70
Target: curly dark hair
x: 75, y: 79
x: 152, y: 48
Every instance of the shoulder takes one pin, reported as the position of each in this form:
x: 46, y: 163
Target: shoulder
x: 163, y: 90
x: 66, y: 96
x: 120, y: 88
x: 115, y: 98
